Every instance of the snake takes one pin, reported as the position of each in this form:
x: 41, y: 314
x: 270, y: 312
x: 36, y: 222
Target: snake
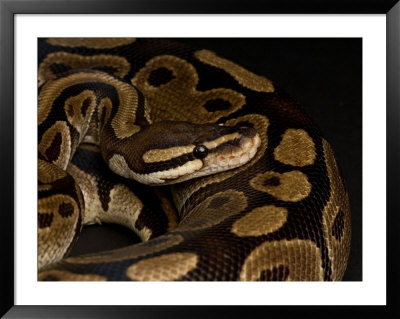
x: 221, y: 174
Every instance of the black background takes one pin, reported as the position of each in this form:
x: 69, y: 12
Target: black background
x: 325, y: 76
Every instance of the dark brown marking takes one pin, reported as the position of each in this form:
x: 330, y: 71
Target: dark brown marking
x: 272, y: 181
x: 85, y: 106
x: 104, y: 188
x: 45, y: 220
x: 66, y: 210
x: 280, y: 273
x: 88, y: 159
x: 218, y: 202
x: 160, y: 76
x: 70, y: 110
x: 58, y: 68
x: 244, y: 124
x: 53, y: 151
x: 217, y: 105
x: 153, y: 218
x: 338, y: 225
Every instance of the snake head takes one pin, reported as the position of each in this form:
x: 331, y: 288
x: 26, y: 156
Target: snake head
x: 170, y: 152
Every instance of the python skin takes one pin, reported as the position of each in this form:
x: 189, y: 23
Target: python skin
x: 218, y: 171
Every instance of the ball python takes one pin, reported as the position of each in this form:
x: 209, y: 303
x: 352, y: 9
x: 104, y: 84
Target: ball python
x: 218, y: 171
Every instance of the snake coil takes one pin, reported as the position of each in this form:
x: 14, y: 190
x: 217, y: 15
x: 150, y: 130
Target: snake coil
x: 216, y: 169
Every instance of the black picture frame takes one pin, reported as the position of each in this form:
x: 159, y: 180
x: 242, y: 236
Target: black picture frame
x: 8, y: 10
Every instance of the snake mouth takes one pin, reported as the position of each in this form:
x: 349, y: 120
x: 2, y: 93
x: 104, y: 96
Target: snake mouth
x: 234, y: 153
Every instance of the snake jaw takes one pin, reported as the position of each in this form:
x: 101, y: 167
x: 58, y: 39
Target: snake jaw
x: 233, y: 156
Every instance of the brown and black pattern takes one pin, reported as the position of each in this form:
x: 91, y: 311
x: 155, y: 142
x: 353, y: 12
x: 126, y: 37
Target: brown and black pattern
x: 60, y: 213
x: 103, y: 191
x: 283, y: 216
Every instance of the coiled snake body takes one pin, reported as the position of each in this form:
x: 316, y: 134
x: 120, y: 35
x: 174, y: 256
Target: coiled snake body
x: 240, y: 185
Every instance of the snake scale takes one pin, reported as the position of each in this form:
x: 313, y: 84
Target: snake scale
x: 216, y: 169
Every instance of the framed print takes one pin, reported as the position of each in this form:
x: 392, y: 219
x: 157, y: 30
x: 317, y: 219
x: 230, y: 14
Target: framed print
x: 338, y: 61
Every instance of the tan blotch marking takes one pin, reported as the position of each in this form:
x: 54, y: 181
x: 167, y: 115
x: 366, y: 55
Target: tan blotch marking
x: 105, y: 108
x: 214, y: 210
x: 77, y: 61
x: 93, y: 43
x: 58, y: 128
x: 163, y: 268
x: 48, y: 172
x: 290, y: 187
x: 118, y: 165
x: 124, y: 207
x: 301, y: 257
x: 338, y: 249
x: 260, y: 221
x: 183, y: 191
x: 60, y: 226
x: 139, y: 250
x: 296, y: 148
x: 178, y: 99
x: 165, y: 154
x: 223, y: 139
x: 122, y: 123
x: 79, y: 110
x: 63, y: 275
x: 244, y: 77
x: 92, y: 135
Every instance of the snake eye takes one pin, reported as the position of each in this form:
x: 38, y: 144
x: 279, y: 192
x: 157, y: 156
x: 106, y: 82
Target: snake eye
x: 200, y: 151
